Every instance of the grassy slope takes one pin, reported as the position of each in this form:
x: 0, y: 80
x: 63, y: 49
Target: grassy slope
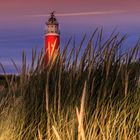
x: 93, y: 96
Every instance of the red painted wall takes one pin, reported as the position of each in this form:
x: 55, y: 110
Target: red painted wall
x: 52, y: 43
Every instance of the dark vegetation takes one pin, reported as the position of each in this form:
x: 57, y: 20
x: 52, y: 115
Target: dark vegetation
x: 103, y: 83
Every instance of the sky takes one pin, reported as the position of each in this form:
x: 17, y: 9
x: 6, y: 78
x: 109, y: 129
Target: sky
x: 22, y: 23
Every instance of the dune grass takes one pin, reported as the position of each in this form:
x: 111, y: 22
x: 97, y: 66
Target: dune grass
x: 88, y: 93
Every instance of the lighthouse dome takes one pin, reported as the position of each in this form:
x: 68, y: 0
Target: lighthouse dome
x: 52, y: 20
x: 52, y: 25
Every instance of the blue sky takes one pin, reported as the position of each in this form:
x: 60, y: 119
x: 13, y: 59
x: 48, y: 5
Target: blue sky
x: 22, y: 25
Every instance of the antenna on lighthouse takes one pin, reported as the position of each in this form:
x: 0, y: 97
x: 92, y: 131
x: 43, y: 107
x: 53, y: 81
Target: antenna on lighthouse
x: 52, y: 38
x: 52, y: 13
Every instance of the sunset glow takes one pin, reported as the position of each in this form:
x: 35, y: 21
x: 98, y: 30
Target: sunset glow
x: 22, y: 23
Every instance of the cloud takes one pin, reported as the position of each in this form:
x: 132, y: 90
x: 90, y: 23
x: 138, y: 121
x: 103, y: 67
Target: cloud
x: 82, y: 13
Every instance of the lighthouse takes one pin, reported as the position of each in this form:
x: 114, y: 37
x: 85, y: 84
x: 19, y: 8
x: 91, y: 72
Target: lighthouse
x: 52, y: 38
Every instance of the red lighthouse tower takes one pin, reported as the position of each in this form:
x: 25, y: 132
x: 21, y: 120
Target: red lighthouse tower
x: 52, y: 38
